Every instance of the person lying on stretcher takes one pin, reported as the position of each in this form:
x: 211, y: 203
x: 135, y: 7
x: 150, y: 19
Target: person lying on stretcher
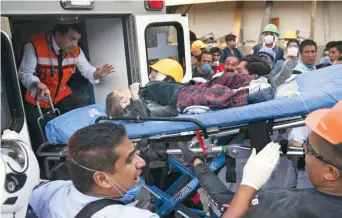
x: 165, y: 96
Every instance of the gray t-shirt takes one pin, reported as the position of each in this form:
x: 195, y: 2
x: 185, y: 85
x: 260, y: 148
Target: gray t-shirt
x: 297, y: 203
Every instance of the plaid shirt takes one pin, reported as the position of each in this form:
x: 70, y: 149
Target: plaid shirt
x: 220, y: 92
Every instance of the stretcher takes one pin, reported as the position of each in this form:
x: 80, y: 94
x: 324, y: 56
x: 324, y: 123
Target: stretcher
x: 316, y: 90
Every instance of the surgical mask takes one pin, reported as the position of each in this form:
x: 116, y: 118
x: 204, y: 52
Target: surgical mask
x: 310, y: 65
x: 206, y: 68
x: 325, y: 60
x: 294, y: 64
x: 114, y: 184
x: 159, y: 77
x: 269, y: 39
x: 132, y: 192
x: 216, y: 63
x: 234, y: 45
x: 292, y: 51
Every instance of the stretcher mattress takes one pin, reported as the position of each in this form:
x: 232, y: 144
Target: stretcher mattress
x: 318, y: 89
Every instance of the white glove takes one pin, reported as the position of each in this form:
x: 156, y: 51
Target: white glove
x: 8, y: 134
x: 259, y: 167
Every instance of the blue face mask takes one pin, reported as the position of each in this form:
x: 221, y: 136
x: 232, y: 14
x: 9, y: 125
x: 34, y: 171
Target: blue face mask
x: 310, y: 65
x: 132, y: 192
x: 294, y: 64
x: 206, y: 68
x: 234, y: 45
x: 325, y: 60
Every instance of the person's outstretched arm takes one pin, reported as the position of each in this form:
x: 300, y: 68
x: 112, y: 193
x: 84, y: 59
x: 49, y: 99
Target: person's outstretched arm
x: 256, y: 172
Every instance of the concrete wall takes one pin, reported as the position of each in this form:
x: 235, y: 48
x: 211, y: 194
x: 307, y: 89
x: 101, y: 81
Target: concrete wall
x: 218, y: 18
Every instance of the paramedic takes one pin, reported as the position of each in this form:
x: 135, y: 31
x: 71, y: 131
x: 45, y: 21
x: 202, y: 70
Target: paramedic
x: 270, y: 33
x: 308, y: 54
x: 216, y: 65
x: 227, y: 90
x: 323, y: 163
x: 335, y: 51
x: 48, y: 62
x: 231, y: 49
x: 103, y: 163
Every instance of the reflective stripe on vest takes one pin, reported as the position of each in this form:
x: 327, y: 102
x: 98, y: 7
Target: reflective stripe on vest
x: 48, y: 72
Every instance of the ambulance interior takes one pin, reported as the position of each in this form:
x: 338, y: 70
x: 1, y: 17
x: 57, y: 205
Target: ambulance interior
x: 105, y: 39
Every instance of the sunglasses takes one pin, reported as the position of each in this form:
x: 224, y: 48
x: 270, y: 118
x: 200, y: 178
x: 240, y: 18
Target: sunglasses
x: 309, y: 150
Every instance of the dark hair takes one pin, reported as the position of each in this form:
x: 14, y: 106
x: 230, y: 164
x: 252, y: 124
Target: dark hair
x: 293, y: 40
x: 325, y: 50
x: 230, y: 37
x: 64, y: 28
x: 329, y: 45
x: 93, y: 147
x: 338, y: 46
x: 193, y: 36
x: 256, y: 65
x: 204, y: 53
x: 340, y: 58
x: 215, y: 50
x: 307, y: 42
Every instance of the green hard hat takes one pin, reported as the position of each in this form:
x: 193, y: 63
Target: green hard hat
x: 271, y: 28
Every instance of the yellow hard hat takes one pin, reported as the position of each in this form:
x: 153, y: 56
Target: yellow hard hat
x: 169, y: 67
x: 198, y: 44
x: 290, y: 35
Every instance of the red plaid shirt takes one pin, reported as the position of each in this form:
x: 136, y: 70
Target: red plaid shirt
x: 217, y: 93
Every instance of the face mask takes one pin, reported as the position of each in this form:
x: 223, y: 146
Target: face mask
x: 234, y: 45
x: 115, y: 185
x: 310, y: 65
x: 325, y: 60
x: 159, y: 77
x: 294, y: 64
x: 216, y: 63
x: 132, y: 192
x: 269, y: 39
x: 206, y: 68
x: 292, y: 51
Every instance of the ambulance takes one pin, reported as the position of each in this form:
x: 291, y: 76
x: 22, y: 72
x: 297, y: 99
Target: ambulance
x: 128, y: 34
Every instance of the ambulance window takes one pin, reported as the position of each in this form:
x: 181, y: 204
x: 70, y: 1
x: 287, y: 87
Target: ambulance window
x: 165, y: 40
x: 12, y: 112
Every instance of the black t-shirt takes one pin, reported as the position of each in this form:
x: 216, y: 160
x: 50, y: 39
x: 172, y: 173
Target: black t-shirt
x: 297, y: 203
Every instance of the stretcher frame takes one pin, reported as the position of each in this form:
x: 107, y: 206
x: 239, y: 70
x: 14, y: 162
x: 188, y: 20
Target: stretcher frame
x: 211, y: 134
x: 164, y: 203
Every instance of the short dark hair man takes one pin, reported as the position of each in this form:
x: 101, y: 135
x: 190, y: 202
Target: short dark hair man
x: 335, y: 51
x: 103, y: 163
x: 231, y: 49
x: 308, y: 54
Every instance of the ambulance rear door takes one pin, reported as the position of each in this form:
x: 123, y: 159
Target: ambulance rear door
x: 159, y: 37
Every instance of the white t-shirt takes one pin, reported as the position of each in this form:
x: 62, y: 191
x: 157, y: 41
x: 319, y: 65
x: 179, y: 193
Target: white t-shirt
x: 60, y: 199
x: 299, y: 134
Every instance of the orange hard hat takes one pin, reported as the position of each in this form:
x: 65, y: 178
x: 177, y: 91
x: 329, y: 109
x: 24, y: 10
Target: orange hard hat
x: 327, y: 123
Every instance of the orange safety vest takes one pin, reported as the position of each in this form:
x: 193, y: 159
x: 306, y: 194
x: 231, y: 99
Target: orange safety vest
x: 55, y: 81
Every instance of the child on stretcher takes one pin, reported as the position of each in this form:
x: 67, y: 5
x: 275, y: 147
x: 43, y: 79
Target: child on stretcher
x: 165, y: 96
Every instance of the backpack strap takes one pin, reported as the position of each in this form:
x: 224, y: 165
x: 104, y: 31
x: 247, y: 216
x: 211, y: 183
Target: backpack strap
x: 95, y: 206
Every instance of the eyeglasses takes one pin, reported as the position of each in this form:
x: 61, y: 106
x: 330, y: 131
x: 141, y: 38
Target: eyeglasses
x: 309, y: 150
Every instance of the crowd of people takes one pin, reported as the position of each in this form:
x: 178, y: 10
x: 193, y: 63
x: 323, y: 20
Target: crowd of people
x: 104, y: 164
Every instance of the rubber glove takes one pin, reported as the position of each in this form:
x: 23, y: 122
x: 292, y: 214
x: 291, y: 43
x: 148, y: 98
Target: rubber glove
x: 188, y: 155
x: 259, y: 167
